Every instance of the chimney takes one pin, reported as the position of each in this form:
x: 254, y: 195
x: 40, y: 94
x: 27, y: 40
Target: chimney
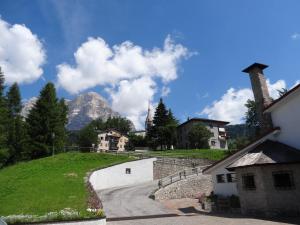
x: 261, y: 94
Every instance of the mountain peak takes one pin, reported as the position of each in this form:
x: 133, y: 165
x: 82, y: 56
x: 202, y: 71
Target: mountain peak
x: 81, y: 110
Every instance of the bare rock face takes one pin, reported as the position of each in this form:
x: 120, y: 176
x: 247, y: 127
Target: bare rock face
x: 27, y: 106
x: 82, y: 110
x: 87, y: 107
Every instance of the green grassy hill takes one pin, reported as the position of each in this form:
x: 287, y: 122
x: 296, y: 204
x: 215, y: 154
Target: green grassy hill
x: 50, y: 184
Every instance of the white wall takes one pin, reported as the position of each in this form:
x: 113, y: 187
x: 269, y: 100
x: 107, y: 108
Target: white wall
x: 225, y: 189
x: 287, y: 117
x: 115, y: 176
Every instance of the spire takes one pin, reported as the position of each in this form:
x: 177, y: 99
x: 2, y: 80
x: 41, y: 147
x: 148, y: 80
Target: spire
x: 149, y: 121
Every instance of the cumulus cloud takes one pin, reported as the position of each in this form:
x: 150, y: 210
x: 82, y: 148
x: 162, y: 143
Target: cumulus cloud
x: 99, y: 64
x: 132, y: 98
x: 127, y: 71
x: 21, y: 53
x: 231, y: 106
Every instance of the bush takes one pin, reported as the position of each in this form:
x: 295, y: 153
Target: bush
x: 4, y: 156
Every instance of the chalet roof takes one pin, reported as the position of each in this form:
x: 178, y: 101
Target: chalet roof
x: 283, y: 97
x: 268, y: 152
x: 204, y: 120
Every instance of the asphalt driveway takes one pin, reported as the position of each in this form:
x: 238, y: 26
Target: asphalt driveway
x: 131, y: 201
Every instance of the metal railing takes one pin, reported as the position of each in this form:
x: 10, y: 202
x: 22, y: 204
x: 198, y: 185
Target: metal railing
x: 181, y: 175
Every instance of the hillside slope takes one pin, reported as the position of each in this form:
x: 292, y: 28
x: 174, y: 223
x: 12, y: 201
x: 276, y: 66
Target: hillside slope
x: 50, y: 184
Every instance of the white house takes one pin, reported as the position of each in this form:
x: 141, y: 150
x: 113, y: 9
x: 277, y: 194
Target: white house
x: 267, y: 171
x: 111, y: 140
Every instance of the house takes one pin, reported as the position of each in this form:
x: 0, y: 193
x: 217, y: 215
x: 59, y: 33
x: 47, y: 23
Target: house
x: 111, y: 140
x: 218, y: 139
x: 266, y: 173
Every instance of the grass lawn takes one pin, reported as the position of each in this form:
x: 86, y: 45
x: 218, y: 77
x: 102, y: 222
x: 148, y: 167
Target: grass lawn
x: 212, y: 154
x: 50, y: 184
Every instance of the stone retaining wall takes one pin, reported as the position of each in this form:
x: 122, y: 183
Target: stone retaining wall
x: 164, y: 167
x: 191, y: 187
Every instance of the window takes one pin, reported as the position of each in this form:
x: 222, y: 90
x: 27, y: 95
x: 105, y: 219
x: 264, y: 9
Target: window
x: 128, y: 171
x: 101, y: 138
x: 220, y: 178
x: 283, y: 180
x: 248, y: 182
x: 231, y: 177
x: 213, y: 143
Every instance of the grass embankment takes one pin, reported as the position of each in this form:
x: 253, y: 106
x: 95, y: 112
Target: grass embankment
x: 50, y: 184
x: 212, y: 154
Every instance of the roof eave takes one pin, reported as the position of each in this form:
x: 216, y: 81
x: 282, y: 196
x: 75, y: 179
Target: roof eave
x: 240, y: 152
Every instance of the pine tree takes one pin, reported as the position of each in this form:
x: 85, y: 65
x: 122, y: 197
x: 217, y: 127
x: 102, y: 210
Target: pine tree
x: 4, y: 153
x: 161, y: 115
x: 16, y: 126
x: 45, y: 124
x: 159, y: 130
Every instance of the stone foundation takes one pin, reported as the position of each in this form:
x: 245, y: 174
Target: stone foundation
x: 191, y: 187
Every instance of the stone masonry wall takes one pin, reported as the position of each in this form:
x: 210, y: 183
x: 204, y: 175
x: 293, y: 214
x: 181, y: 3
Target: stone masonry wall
x: 191, y: 187
x: 266, y: 199
x: 164, y: 167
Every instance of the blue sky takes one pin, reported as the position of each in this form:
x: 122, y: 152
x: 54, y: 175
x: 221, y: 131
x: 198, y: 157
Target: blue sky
x: 226, y: 36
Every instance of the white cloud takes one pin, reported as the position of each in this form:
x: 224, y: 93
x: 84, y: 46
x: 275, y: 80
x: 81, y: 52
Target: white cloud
x: 231, y: 106
x: 132, y: 98
x: 98, y: 64
x: 127, y: 71
x: 165, y: 91
x: 21, y: 53
x: 295, y: 36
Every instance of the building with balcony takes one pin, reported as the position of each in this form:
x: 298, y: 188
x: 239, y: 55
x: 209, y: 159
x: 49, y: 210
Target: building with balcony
x: 216, y: 127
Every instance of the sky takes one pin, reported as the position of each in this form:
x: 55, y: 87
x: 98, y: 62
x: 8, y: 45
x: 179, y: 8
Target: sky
x: 190, y: 53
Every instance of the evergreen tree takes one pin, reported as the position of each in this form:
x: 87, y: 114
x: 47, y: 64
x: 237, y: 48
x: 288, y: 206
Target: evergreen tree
x: 16, y: 126
x: 45, y: 122
x: 4, y: 153
x: 161, y: 115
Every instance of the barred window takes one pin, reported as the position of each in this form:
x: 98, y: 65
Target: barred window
x: 283, y: 180
x: 248, y: 182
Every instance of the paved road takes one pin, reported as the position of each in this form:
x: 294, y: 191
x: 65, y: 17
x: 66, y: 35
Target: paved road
x: 201, y: 219
x: 131, y: 201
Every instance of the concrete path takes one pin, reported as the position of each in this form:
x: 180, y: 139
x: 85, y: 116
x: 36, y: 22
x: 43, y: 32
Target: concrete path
x: 131, y: 201
x: 202, y: 219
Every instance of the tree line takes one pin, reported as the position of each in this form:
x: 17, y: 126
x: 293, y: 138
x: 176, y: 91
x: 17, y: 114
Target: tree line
x: 41, y: 134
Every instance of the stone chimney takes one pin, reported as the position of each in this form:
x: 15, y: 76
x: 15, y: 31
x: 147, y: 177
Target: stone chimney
x: 261, y: 94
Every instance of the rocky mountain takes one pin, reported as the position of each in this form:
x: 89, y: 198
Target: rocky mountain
x: 82, y: 110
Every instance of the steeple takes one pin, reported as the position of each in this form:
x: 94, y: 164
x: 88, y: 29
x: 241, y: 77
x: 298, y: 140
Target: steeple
x: 149, y: 120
